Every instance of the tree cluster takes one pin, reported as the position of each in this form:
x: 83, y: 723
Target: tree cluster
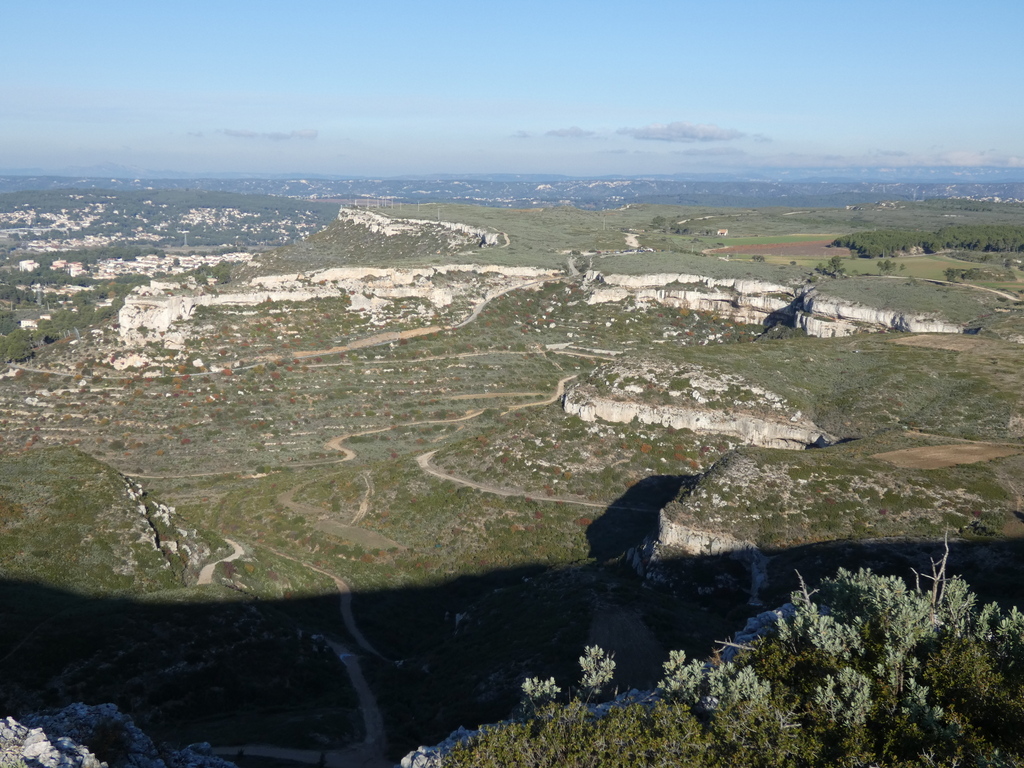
x: 889, y: 242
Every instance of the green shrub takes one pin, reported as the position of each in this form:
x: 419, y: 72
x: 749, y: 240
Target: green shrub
x: 885, y: 674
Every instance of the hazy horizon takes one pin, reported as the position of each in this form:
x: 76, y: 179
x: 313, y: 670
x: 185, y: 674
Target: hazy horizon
x: 563, y: 89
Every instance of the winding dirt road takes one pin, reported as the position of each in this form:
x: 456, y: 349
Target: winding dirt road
x: 370, y: 753
x: 206, y: 574
x: 423, y: 460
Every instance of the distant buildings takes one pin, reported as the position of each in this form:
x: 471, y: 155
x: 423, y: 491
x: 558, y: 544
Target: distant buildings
x: 28, y: 265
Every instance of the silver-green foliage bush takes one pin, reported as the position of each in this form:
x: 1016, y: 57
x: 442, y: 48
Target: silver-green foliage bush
x: 869, y: 670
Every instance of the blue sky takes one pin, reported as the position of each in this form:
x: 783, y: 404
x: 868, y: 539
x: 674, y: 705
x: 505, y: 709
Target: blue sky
x: 566, y: 87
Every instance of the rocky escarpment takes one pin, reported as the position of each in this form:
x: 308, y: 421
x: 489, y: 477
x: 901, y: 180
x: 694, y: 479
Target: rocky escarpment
x: 81, y: 736
x: 828, y: 317
x: 152, y: 311
x: 761, y: 303
x: 90, y: 528
x: 693, y: 398
x: 775, y: 498
x: 389, y: 227
x: 742, y: 300
x: 674, y: 538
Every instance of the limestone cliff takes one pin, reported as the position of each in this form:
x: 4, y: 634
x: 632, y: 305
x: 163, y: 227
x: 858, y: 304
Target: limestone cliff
x: 389, y: 227
x: 693, y: 398
x: 761, y: 303
x: 826, y: 317
x: 152, y: 311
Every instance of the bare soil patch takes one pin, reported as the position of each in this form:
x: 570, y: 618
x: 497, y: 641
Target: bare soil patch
x: 940, y: 456
x: 819, y: 248
x: 954, y: 342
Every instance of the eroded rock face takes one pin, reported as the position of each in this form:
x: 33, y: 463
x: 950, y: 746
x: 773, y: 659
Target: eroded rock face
x: 81, y: 736
x: 152, y: 311
x: 738, y: 285
x: 691, y: 541
x: 760, y: 303
x: 389, y: 227
x: 820, y: 315
x: 749, y: 429
x: 703, y: 401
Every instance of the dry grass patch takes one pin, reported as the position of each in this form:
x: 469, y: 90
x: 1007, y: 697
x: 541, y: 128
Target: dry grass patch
x: 952, y: 342
x: 941, y: 456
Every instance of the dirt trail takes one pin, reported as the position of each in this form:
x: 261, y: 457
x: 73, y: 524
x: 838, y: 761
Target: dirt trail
x: 483, y: 304
x: 206, y: 574
x: 559, y: 391
x: 423, y: 460
x: 364, y: 537
x: 372, y: 749
x: 490, y: 395
x: 370, y: 341
x: 364, y: 505
x: 370, y: 753
x: 345, y: 594
x: 632, y: 241
x: 335, y: 444
x: 1004, y: 294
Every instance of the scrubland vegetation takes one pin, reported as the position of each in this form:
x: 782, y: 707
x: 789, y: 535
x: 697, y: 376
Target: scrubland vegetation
x: 534, y: 536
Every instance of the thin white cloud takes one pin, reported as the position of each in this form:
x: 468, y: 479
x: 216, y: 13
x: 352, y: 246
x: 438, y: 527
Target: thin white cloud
x: 307, y: 133
x: 520, y: 135
x: 682, y: 131
x: 574, y: 132
x: 893, y: 159
x: 985, y: 158
x: 711, y: 152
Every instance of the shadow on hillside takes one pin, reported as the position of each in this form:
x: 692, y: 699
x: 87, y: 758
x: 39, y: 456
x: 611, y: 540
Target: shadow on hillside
x: 632, y: 516
x: 232, y: 669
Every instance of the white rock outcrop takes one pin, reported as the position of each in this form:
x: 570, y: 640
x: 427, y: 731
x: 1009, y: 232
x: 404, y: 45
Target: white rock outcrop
x: 389, y: 227
x: 844, y: 318
x: 694, y: 542
x: 759, y: 303
x: 750, y: 429
x: 61, y: 739
x: 742, y: 286
x: 153, y: 310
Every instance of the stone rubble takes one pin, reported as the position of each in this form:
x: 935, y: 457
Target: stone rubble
x: 62, y: 739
